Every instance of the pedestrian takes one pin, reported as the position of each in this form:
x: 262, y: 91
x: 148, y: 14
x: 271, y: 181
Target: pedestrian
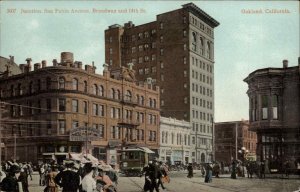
x: 190, y: 170
x: 51, y: 186
x: 287, y: 168
x: 88, y: 182
x: 68, y: 179
x: 23, y: 178
x: 216, y: 169
x: 208, y: 173
x: 29, y: 170
x: 233, y: 169
x: 10, y: 182
x: 262, y: 170
x: 160, y: 175
x: 42, y: 175
x: 103, y: 182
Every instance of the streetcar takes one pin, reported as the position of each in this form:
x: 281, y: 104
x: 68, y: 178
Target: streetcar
x: 133, y: 160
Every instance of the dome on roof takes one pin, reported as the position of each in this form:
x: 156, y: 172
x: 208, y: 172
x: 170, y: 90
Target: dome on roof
x: 14, y: 68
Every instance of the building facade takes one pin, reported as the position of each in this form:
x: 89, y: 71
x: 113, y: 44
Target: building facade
x: 177, y: 52
x: 230, y: 137
x: 175, y: 141
x: 274, y: 111
x: 42, y: 106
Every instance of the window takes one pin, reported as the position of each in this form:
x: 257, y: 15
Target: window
x: 153, y: 57
x: 101, y: 90
x: 128, y: 95
x: 161, y: 51
x: 184, y: 60
x: 161, y: 25
x: 113, y: 93
x: 142, y: 100
x: 95, y: 109
x: 264, y: 107
x: 133, y: 49
x: 201, y: 46
x: 85, y: 107
x: 62, y: 126
x: 48, y: 83
x: 95, y: 89
x: 85, y: 86
x: 75, y: 105
x: 31, y: 88
x: 62, y: 104
x: 140, y: 59
x: 118, y: 94
x: 147, y: 70
x: 184, y: 47
x: 162, y: 77
x: 110, y: 51
x: 61, y: 82
x: 75, y: 84
x: 275, y: 106
x: 75, y: 124
x: 101, y: 110
x: 141, y: 71
x: 161, y: 65
x: 153, y: 69
x: 146, y: 58
x: 208, y: 51
x: 141, y: 48
x: 184, y: 73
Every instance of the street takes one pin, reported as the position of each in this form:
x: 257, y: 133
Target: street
x: 180, y: 183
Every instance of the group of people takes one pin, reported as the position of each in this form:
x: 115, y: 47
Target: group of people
x: 71, y: 177
x: 156, y: 173
x: 14, y: 176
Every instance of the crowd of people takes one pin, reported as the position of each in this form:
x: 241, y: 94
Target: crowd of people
x: 71, y: 176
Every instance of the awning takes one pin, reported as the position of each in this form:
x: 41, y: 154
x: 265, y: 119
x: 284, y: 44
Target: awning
x: 146, y: 150
x: 83, y: 158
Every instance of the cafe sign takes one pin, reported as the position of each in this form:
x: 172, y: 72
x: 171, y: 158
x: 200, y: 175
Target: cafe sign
x: 85, y: 134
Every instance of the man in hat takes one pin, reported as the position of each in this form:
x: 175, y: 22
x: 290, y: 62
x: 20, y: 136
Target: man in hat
x: 10, y: 182
x: 68, y: 179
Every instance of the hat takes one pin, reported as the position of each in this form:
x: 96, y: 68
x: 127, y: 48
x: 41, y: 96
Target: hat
x: 105, y: 167
x: 14, y: 169
x: 68, y: 163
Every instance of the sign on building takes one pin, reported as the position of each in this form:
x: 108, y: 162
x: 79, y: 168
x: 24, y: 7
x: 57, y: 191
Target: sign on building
x: 85, y: 134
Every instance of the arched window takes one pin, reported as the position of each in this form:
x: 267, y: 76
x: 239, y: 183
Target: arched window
x: 201, y: 46
x: 113, y: 93
x: 31, y: 88
x: 154, y: 103
x: 118, y: 94
x: 194, y: 42
x: 142, y: 100
x: 48, y: 83
x: 61, y: 82
x: 95, y: 89
x: 128, y: 95
x: 202, y: 157
x: 85, y: 86
x: 150, y: 102
x: 208, y: 53
x: 101, y: 90
x: 75, y: 84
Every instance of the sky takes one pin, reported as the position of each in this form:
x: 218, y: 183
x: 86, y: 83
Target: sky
x: 243, y: 42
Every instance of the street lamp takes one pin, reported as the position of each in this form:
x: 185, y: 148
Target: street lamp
x: 243, y: 151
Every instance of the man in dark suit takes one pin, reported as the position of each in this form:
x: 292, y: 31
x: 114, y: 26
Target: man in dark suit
x: 68, y: 179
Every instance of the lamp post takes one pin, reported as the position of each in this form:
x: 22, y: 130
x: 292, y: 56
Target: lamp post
x: 243, y: 151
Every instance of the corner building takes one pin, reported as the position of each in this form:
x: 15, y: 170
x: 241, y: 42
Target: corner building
x: 177, y: 52
x: 274, y: 110
x: 42, y: 106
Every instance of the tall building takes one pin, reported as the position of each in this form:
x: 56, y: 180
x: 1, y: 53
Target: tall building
x: 50, y: 110
x: 230, y: 138
x: 175, y: 141
x: 177, y: 52
x: 274, y: 98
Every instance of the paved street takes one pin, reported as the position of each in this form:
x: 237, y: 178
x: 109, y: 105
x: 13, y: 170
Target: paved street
x: 180, y: 183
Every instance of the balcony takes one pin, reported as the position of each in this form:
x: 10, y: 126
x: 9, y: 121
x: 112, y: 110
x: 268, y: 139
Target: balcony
x: 130, y: 102
x: 128, y: 122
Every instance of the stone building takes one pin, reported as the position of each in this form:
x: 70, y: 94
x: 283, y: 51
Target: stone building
x: 274, y: 111
x: 230, y: 137
x: 175, y: 141
x: 177, y: 52
x: 43, y: 104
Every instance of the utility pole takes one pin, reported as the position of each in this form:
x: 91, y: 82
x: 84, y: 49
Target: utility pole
x: 86, y: 140
x: 236, y: 135
x: 15, y: 147
x: 0, y: 136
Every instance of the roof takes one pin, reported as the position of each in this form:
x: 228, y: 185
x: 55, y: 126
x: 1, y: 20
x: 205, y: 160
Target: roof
x: 14, y: 68
x: 144, y: 149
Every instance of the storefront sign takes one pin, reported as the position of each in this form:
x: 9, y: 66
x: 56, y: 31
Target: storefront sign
x: 85, y: 134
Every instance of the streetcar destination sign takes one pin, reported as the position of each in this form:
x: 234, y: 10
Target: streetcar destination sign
x: 85, y: 134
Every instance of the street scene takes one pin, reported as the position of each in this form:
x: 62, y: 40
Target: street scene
x: 132, y: 96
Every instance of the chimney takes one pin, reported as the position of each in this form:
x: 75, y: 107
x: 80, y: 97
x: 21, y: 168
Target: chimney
x: 66, y: 58
x: 79, y: 64
x: 11, y: 59
x: 28, y: 60
x: 54, y: 61
x: 285, y: 63
x: 44, y: 63
x: 37, y: 66
x: 22, y: 67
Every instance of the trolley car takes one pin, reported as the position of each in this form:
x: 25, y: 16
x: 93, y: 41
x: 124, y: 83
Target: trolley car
x: 133, y: 160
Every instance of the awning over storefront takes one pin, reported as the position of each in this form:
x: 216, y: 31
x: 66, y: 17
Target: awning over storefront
x: 83, y: 158
x: 146, y: 149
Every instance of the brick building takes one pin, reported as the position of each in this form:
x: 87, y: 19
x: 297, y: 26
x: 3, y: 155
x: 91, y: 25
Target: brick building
x: 274, y: 111
x: 177, y: 52
x: 230, y: 137
x: 42, y: 106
